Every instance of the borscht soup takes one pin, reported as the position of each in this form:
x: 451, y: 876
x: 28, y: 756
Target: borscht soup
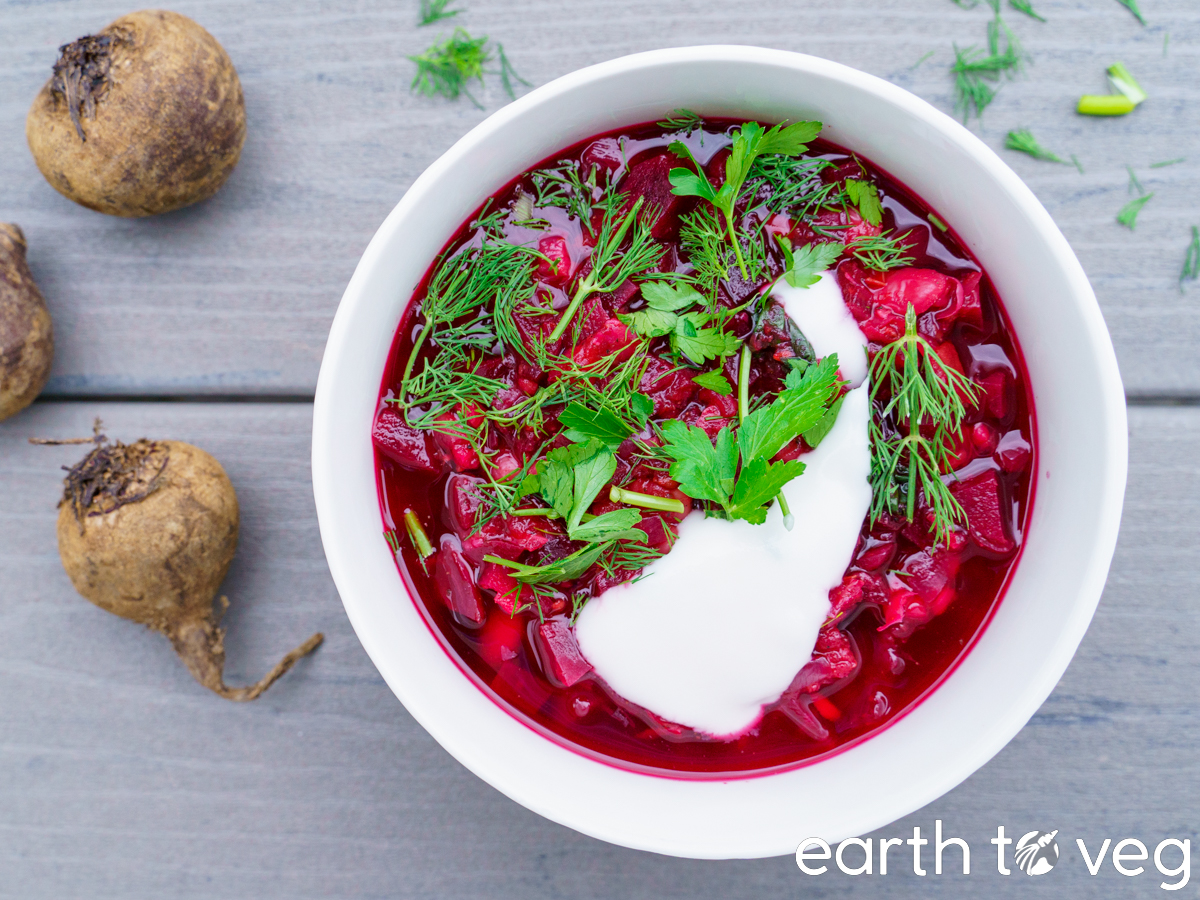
x: 704, y: 447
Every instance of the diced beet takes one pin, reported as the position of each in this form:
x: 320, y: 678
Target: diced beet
x: 555, y: 269
x: 452, y: 440
x: 999, y: 393
x: 605, y: 153
x: 669, y: 387
x: 612, y: 337
x: 985, y: 438
x: 987, y: 516
x: 590, y: 318
x: 971, y: 311
x: 617, y: 301
x: 904, y: 609
x: 1013, y: 452
x: 834, y: 658
x: 924, y: 289
x: 400, y: 442
x: 726, y: 403
x: 929, y: 573
x: 500, y: 640
x: 505, y: 466
x: 462, y: 502
x: 455, y: 583
x: 507, y: 536
x: 845, y: 597
x: 560, y: 653
x: 648, y: 179
x: 709, y: 418
x: 961, y: 448
x: 498, y: 578
x: 877, y: 553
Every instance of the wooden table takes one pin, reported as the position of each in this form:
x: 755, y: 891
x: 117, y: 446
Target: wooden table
x: 120, y: 777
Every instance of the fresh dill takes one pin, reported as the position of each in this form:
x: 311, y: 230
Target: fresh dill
x: 975, y: 72
x: 1128, y: 213
x: 921, y: 60
x: 1191, y: 260
x: 1026, y: 7
x: 922, y: 411
x: 713, y: 260
x: 1025, y: 142
x: 435, y: 11
x: 1132, y: 6
x: 565, y: 187
x: 508, y: 74
x: 795, y: 184
x: 1134, y: 184
x: 446, y: 68
x: 1168, y: 162
x: 614, y: 263
x: 683, y: 120
x: 881, y: 253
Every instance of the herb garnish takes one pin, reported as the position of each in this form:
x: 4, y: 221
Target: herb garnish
x: 1129, y: 212
x: 882, y: 253
x: 973, y: 70
x: 805, y: 264
x: 692, y: 332
x: 922, y: 392
x: 445, y: 68
x: 1132, y: 6
x: 865, y: 196
x: 1191, y: 260
x: 682, y: 120
x: 1025, y: 7
x: 566, y: 187
x: 1025, y: 142
x: 736, y: 474
x: 435, y: 10
x: 750, y: 142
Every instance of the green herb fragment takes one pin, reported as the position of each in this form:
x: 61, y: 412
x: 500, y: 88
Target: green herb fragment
x: 911, y: 441
x: 1134, y: 184
x: 565, y: 187
x: 646, y: 501
x: 1078, y: 164
x: 1168, y: 162
x: 1105, y: 105
x: 882, y: 253
x: 446, y: 68
x: 965, y: 4
x: 435, y: 10
x: 711, y: 472
x: 865, y: 196
x: 937, y: 223
x: 613, y: 263
x: 921, y: 60
x: 820, y: 431
x: 681, y: 120
x: 690, y: 332
x: 750, y: 142
x: 805, y: 265
x: 1132, y: 6
x: 1125, y: 83
x: 610, y: 526
x: 508, y: 74
x: 582, y: 424
x: 1025, y: 142
x: 1129, y: 212
x: 973, y: 70
x: 714, y: 381
x: 565, y: 569
x: 1025, y: 7
x: 700, y: 344
x: 1191, y: 260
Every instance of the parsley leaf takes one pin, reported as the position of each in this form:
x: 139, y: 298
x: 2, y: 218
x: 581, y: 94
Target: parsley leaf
x: 650, y: 323
x: 798, y: 408
x: 670, y: 297
x: 813, y: 436
x: 704, y: 472
x: 714, y: 381
x: 759, y: 483
x: 702, y: 344
x: 611, y: 526
x: 805, y: 265
x: 582, y: 424
x: 865, y: 196
x: 564, y: 569
x: 591, y: 474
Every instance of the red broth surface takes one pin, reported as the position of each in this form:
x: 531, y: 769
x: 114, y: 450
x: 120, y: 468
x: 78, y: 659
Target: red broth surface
x: 906, y: 612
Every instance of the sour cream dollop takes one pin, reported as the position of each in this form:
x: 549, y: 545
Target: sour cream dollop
x: 721, y: 624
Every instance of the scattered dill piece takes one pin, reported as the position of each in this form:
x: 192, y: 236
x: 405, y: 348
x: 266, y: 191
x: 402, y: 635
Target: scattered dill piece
x: 1078, y: 164
x: 1134, y: 184
x: 1168, y: 162
x: 973, y: 71
x: 1025, y: 142
x: 965, y: 4
x: 508, y: 74
x: 1191, y: 260
x: 1166, y: 41
x: 921, y: 60
x: 1125, y: 83
x: 681, y: 120
x: 435, y: 10
x: 938, y: 223
x: 445, y: 68
x: 1132, y: 6
x: 911, y: 444
x: 1129, y: 212
x: 1024, y: 6
x: 1105, y: 105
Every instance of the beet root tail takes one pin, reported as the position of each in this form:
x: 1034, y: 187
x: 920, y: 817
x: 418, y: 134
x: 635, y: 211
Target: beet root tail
x: 200, y: 643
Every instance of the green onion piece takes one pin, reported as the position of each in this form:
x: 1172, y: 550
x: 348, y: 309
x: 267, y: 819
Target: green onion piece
x: 1126, y: 83
x: 744, y: 384
x: 938, y: 223
x: 646, y: 501
x: 417, y: 534
x: 1105, y: 105
x: 534, y: 511
x: 789, y: 521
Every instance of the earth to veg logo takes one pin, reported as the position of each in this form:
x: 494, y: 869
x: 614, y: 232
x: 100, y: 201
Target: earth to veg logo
x: 1036, y: 852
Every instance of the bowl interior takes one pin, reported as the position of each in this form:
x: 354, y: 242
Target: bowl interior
x: 1070, y: 536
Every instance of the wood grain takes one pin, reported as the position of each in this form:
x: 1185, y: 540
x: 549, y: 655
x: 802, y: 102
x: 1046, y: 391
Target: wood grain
x: 235, y: 296
x: 120, y: 777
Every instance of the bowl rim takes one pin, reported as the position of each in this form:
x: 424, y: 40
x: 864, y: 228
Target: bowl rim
x: 427, y: 704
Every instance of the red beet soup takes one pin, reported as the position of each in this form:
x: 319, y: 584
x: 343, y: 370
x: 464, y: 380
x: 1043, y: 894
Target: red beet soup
x: 603, y: 329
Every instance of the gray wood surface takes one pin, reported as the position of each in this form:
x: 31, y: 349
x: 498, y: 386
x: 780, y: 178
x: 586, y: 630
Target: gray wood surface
x: 236, y: 295
x: 120, y: 777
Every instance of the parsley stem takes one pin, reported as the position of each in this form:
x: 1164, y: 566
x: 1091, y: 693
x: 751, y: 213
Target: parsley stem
x: 744, y: 384
x: 737, y: 247
x: 417, y: 535
x: 646, y: 501
x: 536, y: 511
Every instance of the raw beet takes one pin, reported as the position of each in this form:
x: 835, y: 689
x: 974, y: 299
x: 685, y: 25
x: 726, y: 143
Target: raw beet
x: 401, y: 443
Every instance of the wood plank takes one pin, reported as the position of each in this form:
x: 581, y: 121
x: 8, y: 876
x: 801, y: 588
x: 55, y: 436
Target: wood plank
x: 119, y: 776
x: 235, y: 296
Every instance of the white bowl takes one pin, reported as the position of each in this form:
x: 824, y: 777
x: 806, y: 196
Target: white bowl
x: 1080, y: 479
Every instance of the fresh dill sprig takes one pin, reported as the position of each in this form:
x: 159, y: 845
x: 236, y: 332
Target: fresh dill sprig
x: 508, y: 74
x: 973, y: 70
x: 445, y: 68
x: 567, y: 188
x: 1129, y: 212
x: 1132, y: 6
x: 922, y: 394
x: 1191, y: 260
x: 881, y: 253
x: 795, y: 184
x: 682, y: 120
x: 1168, y: 162
x: 1025, y: 7
x: 1025, y: 142
x: 1134, y: 184
x: 613, y: 263
x: 435, y: 11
